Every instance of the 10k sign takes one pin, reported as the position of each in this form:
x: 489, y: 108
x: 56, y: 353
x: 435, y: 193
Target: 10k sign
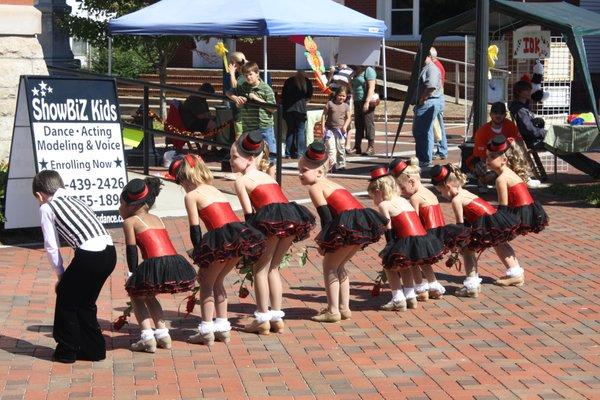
x: 77, y: 132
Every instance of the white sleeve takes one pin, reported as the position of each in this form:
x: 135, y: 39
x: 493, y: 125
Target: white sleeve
x: 51, y: 241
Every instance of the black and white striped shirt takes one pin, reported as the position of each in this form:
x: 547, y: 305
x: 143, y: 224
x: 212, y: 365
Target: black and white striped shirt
x: 75, y: 222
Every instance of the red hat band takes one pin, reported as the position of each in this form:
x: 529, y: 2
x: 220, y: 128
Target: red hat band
x: 497, y: 148
x: 398, y: 169
x: 174, y: 167
x: 315, y: 156
x: 190, y: 160
x: 442, y: 175
x: 250, y: 146
x: 138, y: 196
x: 379, y: 173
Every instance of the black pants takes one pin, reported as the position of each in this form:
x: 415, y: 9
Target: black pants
x: 76, y: 328
x: 364, y: 123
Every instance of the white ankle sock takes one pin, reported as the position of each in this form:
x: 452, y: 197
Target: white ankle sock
x: 206, y: 327
x: 161, y: 333
x: 147, y: 334
x: 222, y: 325
x: 515, y: 271
x: 435, y: 285
x: 398, y: 295
x: 409, y: 292
x: 472, y: 282
x: 262, y: 317
x: 277, y: 315
x: 422, y: 287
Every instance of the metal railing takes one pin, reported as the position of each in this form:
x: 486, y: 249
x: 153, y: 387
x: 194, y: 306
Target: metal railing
x: 457, y: 64
x: 146, y: 126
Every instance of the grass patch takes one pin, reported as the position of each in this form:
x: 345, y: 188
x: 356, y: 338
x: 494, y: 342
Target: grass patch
x: 588, y: 193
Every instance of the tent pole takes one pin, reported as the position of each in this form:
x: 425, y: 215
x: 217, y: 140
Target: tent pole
x: 481, y: 45
x: 265, y: 58
x: 110, y: 55
x: 385, y: 112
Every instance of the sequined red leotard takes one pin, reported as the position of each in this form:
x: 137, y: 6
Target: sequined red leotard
x: 266, y: 194
x: 217, y: 214
x: 341, y: 200
x: 431, y: 216
x: 518, y: 195
x: 407, y: 224
x: 477, y: 208
x: 155, y: 242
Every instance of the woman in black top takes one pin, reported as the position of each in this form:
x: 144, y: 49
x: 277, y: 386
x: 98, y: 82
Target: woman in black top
x: 297, y: 90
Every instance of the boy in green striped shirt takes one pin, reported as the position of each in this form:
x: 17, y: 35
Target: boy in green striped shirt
x: 254, y: 117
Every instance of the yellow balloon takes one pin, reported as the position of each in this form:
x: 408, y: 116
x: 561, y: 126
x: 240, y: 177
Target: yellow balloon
x: 221, y: 51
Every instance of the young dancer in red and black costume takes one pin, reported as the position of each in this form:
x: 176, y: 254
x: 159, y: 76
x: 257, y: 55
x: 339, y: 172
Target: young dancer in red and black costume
x: 428, y: 208
x: 506, y: 159
x: 216, y: 252
x: 489, y: 227
x: 162, y: 271
x: 346, y: 227
x: 283, y: 222
x: 409, y: 245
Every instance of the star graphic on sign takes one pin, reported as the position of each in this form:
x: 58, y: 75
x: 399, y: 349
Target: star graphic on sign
x: 49, y: 89
x: 35, y: 91
x: 43, y: 85
x: 118, y: 162
x: 44, y: 164
x: 43, y: 93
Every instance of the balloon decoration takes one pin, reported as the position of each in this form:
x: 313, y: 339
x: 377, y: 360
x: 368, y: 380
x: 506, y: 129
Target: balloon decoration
x: 221, y: 51
x: 313, y: 56
x: 492, y: 57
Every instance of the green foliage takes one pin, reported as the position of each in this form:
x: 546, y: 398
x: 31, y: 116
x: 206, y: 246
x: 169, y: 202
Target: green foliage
x: 156, y: 51
x: 588, y: 193
x: 126, y: 63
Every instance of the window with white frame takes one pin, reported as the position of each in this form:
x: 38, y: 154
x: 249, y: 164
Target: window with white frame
x: 400, y: 16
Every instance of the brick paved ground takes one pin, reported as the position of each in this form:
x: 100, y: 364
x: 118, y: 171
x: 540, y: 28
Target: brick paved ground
x: 538, y: 341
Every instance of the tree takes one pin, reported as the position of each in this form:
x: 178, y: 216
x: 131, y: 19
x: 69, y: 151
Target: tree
x: 156, y: 50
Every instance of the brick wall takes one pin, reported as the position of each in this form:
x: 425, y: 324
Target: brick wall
x: 280, y: 51
x: 367, y: 7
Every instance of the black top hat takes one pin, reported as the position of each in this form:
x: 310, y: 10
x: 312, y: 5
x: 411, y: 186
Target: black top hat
x: 499, y: 144
x: 378, y: 172
x: 316, y: 154
x: 397, y: 166
x: 251, y: 143
x: 439, y: 174
x: 135, y: 192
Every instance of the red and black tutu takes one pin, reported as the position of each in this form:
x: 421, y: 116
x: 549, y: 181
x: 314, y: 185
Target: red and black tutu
x: 165, y: 274
x: 491, y: 230
x: 412, y: 250
x: 283, y: 220
x: 453, y: 236
x: 232, y: 240
x: 531, y: 217
x: 361, y: 226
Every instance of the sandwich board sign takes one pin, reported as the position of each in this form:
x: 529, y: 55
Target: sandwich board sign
x: 72, y: 126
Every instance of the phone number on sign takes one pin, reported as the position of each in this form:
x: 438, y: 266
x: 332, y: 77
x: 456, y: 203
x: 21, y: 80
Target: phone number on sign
x: 98, y: 183
x: 101, y: 200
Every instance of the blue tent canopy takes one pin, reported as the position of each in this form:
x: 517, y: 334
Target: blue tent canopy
x: 248, y: 18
